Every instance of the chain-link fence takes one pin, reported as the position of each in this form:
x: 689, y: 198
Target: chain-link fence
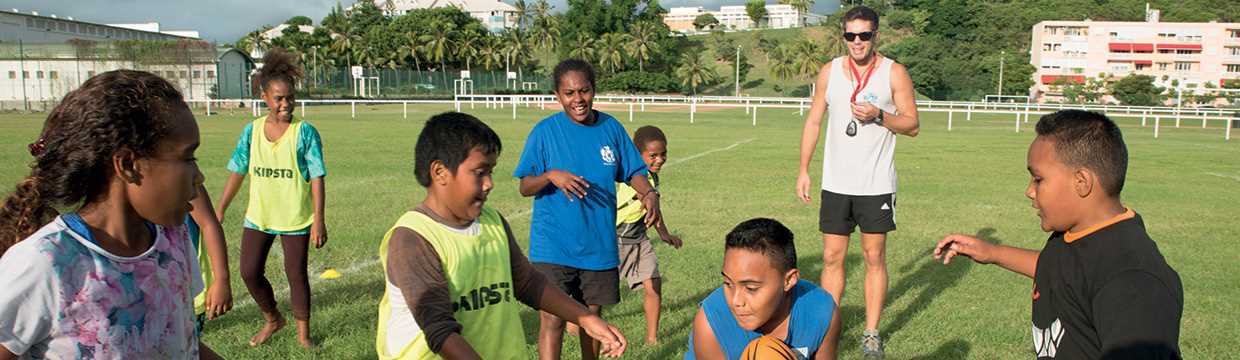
x: 384, y: 83
x: 36, y: 76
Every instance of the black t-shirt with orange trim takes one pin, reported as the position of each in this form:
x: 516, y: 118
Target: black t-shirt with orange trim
x: 1106, y: 293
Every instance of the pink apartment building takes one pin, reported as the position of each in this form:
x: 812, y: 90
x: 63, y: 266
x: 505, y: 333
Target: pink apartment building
x: 1189, y: 55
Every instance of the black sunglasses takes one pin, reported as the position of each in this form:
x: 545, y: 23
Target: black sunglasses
x: 865, y: 36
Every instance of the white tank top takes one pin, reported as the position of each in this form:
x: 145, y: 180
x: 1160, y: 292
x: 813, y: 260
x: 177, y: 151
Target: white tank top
x: 862, y: 164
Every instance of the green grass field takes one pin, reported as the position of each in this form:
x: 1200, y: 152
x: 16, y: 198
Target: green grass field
x: 722, y: 170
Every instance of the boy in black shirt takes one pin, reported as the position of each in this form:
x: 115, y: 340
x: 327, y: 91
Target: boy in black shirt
x: 1101, y: 287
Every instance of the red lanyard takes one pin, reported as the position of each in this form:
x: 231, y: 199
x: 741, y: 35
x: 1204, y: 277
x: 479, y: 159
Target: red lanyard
x: 861, y: 82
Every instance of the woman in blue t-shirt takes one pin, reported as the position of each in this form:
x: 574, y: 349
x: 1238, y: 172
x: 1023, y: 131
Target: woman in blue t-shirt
x: 570, y: 165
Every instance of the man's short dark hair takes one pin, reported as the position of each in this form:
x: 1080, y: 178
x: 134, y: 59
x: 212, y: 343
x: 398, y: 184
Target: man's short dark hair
x: 448, y: 138
x: 646, y: 134
x: 861, y: 12
x: 765, y: 236
x: 1089, y: 140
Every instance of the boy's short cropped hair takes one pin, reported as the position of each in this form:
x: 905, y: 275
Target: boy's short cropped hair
x: 765, y: 236
x: 448, y: 138
x: 1088, y: 140
x: 646, y: 134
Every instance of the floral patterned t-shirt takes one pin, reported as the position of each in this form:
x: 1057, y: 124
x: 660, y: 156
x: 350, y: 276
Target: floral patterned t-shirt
x: 64, y: 297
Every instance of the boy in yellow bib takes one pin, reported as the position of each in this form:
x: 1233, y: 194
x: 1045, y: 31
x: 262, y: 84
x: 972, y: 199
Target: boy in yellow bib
x: 284, y: 157
x: 453, y: 270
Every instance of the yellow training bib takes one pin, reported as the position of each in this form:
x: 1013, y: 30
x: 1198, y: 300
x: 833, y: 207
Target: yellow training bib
x: 479, y: 274
x: 279, y: 195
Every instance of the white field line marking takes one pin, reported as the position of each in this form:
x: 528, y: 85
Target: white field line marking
x: 673, y: 162
x: 314, y: 279
x: 1225, y: 176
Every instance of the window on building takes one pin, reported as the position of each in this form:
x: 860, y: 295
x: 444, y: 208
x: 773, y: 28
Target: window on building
x: 38, y: 74
x: 12, y: 74
x: 90, y: 74
x: 73, y: 28
x: 1163, y: 66
x: 182, y: 74
x: 197, y: 74
x: 1234, y: 68
x: 1114, y: 34
x: 39, y: 23
x: 25, y: 74
x: 29, y: 22
x: 1078, y: 70
x: 1233, y: 51
x: 53, y: 75
x: 210, y: 74
x: 1183, y: 66
x: 1235, y: 33
x: 62, y: 26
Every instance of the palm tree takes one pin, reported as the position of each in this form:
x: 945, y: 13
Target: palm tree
x: 541, y: 10
x: 343, y: 44
x: 783, y: 63
x: 467, y: 47
x: 644, y: 42
x: 583, y: 48
x: 438, y: 43
x: 695, y: 72
x: 808, y: 58
x: 546, y: 32
x: 490, y: 53
x: 515, y: 46
x: 414, y: 47
x: 523, y: 12
x: 611, y: 48
x: 802, y: 7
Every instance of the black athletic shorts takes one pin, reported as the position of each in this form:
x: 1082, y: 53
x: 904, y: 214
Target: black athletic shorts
x: 840, y: 213
x: 588, y: 287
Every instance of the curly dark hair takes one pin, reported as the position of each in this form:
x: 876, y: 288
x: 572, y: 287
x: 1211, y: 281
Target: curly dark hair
x: 278, y: 64
x: 121, y: 109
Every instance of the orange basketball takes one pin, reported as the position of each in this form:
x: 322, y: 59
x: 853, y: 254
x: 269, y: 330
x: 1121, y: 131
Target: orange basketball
x: 768, y: 348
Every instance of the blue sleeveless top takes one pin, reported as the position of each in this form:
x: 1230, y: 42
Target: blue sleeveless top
x: 808, y: 322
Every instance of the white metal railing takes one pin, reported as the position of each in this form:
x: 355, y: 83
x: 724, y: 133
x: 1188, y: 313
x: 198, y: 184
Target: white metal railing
x: 1021, y: 111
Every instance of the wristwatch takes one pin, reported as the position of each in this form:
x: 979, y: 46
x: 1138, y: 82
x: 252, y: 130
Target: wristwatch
x: 879, y: 119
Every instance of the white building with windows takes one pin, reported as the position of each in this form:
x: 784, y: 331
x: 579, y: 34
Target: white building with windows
x: 495, y: 15
x: 38, y: 28
x: 735, y: 17
x: 1190, y: 55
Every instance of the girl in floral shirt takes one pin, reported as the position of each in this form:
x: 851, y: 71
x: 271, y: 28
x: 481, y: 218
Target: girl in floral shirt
x: 113, y: 279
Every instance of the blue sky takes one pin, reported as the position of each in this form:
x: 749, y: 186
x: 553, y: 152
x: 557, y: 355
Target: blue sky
x: 227, y: 20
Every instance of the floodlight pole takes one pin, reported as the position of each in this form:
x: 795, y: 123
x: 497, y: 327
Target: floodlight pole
x: 738, y: 70
x: 21, y: 52
x: 1002, y: 54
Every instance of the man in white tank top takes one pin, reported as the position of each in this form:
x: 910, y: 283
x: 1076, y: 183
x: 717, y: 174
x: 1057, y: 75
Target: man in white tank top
x: 868, y: 100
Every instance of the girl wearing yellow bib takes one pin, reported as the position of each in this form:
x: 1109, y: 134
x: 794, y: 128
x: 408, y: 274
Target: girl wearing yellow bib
x: 453, y: 272
x: 284, y: 155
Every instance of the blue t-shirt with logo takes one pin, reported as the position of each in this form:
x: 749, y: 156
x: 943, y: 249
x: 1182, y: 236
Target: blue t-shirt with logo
x: 808, y: 322
x: 580, y: 233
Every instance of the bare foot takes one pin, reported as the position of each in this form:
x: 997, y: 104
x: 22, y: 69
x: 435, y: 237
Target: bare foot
x: 271, y: 327
x: 303, y: 335
x: 652, y: 341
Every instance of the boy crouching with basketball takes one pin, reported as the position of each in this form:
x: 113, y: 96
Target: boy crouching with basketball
x: 1102, y: 290
x: 763, y: 310
x: 453, y: 271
